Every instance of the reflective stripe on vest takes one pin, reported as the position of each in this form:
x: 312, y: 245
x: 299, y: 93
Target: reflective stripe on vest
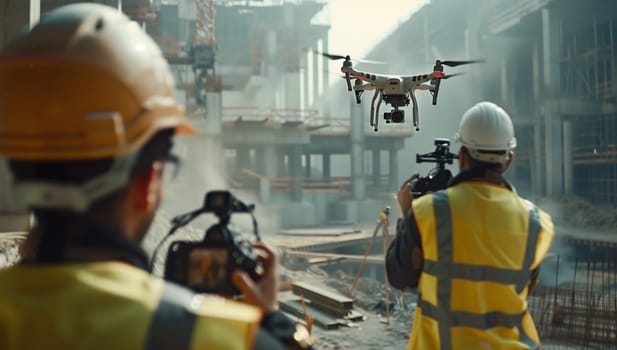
x: 172, y: 323
x: 445, y: 270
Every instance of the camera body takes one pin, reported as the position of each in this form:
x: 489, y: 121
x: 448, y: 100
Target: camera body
x: 206, y: 266
x: 396, y: 116
x: 439, y: 177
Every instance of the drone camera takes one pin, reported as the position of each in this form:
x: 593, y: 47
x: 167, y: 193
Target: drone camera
x: 396, y: 116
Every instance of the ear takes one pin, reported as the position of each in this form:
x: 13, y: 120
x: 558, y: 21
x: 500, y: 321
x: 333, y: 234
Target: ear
x: 146, y: 188
x: 462, y: 158
x: 510, y: 159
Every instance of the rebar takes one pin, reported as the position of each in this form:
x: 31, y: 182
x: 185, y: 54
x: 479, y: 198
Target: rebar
x: 580, y: 309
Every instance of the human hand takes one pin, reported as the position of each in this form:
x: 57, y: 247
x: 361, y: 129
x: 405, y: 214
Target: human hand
x: 263, y: 292
x: 404, y: 196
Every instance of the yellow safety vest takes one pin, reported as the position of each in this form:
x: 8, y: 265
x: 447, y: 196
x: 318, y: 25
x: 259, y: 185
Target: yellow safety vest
x: 112, y: 305
x: 480, y: 242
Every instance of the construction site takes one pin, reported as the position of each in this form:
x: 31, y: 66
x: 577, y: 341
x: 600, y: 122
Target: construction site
x: 278, y: 131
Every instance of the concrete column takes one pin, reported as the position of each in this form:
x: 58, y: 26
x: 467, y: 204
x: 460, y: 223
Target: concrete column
x: 537, y: 171
x: 295, y: 167
x: 393, y: 164
x: 505, y: 82
x: 539, y: 181
x: 260, y: 159
x: 306, y: 77
x: 316, y: 72
x: 567, y: 158
x: 243, y: 158
x: 270, y: 166
x: 307, y: 163
x: 552, y: 115
x: 267, y: 155
x: 326, y: 62
x: 281, y: 164
x: 214, y: 124
x: 292, y: 90
x: 325, y: 164
x: 376, y: 166
x: 357, y: 151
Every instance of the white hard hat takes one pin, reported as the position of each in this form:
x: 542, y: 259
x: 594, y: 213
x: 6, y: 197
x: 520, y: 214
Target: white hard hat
x: 486, y: 129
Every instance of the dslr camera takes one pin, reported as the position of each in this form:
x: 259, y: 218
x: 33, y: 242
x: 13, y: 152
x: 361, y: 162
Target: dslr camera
x: 439, y: 177
x: 206, y: 266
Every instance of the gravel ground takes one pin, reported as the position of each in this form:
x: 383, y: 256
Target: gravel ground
x: 371, y: 333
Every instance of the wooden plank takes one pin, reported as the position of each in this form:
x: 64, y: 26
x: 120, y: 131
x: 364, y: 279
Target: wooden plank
x: 327, y: 299
x: 376, y: 259
x: 321, y: 318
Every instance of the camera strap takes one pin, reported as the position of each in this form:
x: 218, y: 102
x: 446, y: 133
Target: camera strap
x: 482, y: 174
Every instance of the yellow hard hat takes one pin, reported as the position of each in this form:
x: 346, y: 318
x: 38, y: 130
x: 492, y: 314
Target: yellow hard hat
x: 85, y: 83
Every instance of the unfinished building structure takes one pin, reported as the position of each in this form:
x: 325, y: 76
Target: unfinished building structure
x: 260, y: 102
x: 549, y: 63
x: 251, y: 83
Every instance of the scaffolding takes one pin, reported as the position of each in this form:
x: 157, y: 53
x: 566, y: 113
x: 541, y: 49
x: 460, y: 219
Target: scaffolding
x: 588, y: 60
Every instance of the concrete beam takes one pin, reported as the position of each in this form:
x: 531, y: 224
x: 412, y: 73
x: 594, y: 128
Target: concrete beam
x: 235, y: 136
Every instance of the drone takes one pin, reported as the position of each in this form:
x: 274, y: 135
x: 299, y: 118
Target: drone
x: 395, y: 90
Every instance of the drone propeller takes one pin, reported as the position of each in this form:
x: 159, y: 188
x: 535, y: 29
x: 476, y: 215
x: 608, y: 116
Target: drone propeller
x: 335, y: 57
x: 332, y: 57
x: 458, y: 63
x: 447, y: 76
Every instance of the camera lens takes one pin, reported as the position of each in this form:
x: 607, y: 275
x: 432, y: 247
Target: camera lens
x: 398, y: 116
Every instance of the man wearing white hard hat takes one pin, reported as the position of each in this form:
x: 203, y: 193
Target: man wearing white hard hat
x: 474, y: 249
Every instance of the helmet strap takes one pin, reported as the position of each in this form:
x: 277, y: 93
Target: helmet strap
x: 78, y: 198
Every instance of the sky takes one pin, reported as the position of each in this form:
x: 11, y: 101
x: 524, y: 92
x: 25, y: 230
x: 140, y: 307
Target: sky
x: 358, y: 25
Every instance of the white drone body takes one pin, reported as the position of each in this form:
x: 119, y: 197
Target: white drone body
x: 397, y: 91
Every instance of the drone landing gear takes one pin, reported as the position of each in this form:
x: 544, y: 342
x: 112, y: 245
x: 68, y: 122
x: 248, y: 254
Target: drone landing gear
x: 358, y: 95
x: 415, y: 110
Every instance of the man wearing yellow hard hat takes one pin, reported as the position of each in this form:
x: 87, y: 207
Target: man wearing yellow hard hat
x: 87, y: 119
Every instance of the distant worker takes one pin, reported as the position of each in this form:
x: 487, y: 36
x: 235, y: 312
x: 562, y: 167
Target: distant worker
x: 87, y: 119
x: 474, y: 249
